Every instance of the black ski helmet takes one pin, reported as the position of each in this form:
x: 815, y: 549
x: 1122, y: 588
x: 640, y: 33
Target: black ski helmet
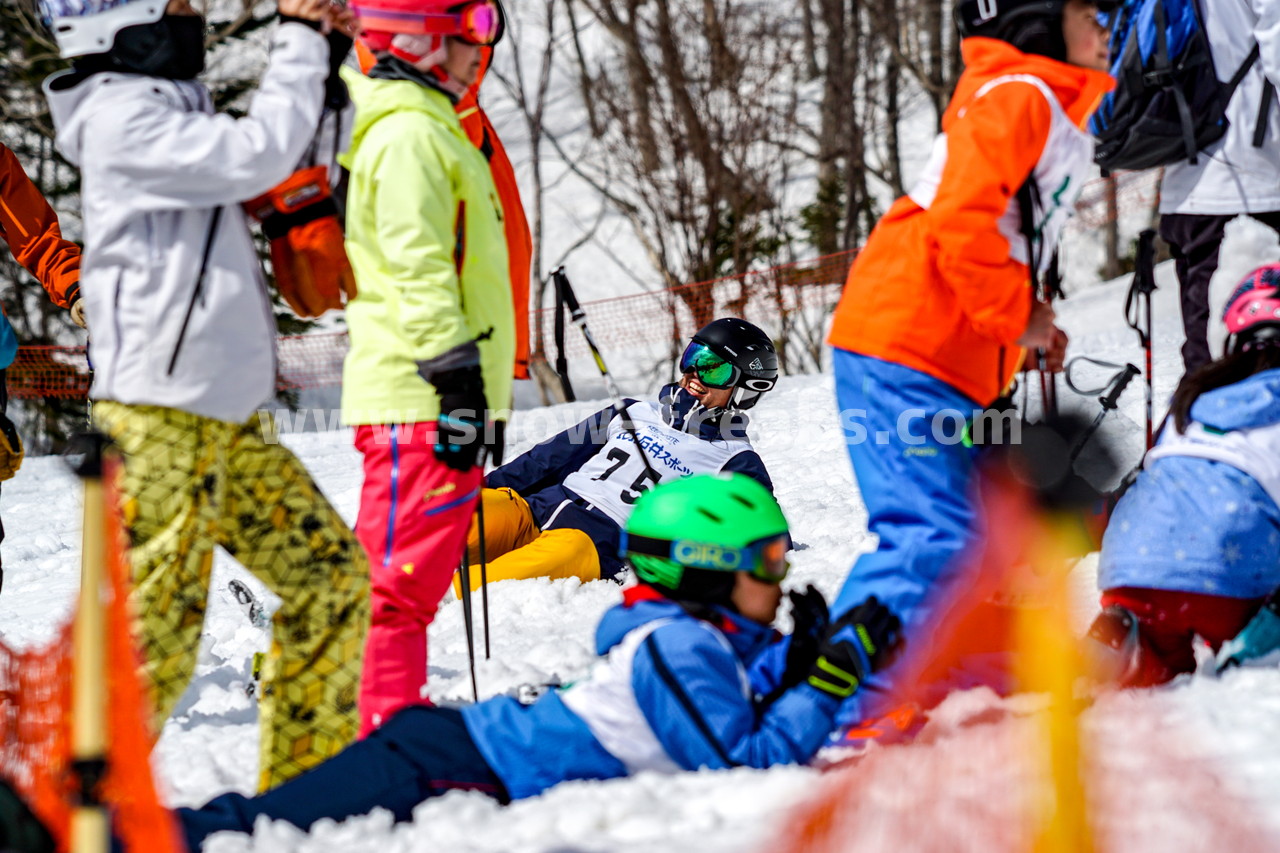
x: 747, y: 347
x: 1032, y: 26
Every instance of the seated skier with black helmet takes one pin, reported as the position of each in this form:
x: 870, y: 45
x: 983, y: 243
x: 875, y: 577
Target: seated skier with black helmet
x: 670, y: 693
x: 557, y: 511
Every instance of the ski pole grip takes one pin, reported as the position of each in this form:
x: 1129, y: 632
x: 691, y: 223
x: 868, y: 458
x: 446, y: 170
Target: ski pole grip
x: 566, y: 290
x: 1112, y: 397
x: 1145, y: 262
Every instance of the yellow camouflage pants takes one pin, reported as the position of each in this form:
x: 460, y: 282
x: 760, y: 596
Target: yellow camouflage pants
x: 189, y: 483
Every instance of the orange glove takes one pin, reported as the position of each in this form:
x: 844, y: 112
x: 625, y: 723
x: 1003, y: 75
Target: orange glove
x: 300, y: 219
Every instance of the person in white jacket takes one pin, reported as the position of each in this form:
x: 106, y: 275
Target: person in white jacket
x: 184, y: 351
x: 1238, y: 174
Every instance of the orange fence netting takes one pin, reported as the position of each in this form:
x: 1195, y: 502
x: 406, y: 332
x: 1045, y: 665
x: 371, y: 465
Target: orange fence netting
x: 35, y: 724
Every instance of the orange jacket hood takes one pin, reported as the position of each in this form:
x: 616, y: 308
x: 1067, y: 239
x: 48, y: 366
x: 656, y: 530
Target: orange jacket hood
x: 1078, y: 89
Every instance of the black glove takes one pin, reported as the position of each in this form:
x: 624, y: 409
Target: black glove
x: 460, y: 440
x: 336, y: 96
x: 865, y: 640
x: 811, y: 617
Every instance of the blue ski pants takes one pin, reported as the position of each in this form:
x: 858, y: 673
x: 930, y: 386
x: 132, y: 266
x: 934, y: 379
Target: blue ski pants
x: 905, y: 435
x: 420, y: 752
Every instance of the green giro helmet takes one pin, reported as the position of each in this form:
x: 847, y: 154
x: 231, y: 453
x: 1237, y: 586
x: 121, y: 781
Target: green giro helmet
x: 688, y: 537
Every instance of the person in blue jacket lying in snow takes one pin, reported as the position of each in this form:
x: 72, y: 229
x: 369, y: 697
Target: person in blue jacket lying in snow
x: 557, y: 511
x: 1193, y: 548
x: 669, y: 694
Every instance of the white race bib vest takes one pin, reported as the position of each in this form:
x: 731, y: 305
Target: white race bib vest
x: 613, y: 479
x: 1060, y: 175
x: 1254, y: 451
x: 607, y: 704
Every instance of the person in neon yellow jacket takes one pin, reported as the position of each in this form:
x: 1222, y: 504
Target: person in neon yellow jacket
x: 432, y: 327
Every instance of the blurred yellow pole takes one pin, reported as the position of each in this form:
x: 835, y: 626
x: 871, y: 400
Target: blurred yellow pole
x: 90, y: 828
x: 1048, y: 661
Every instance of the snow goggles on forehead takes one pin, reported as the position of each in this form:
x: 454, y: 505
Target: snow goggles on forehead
x: 479, y: 23
x: 765, y: 559
x: 714, y: 371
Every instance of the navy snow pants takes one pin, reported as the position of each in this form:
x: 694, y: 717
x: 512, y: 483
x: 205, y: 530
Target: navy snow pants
x: 420, y: 752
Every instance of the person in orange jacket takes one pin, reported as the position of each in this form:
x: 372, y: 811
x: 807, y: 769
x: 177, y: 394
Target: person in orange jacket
x: 30, y: 228
x: 939, y: 305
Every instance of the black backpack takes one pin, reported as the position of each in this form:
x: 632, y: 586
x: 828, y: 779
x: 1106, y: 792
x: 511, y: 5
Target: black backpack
x: 1168, y: 102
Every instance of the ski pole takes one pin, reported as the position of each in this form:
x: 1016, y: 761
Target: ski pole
x: 579, y: 318
x: 562, y: 362
x: 1048, y: 386
x: 1109, y: 399
x: 484, y: 573
x: 1137, y: 310
x: 464, y: 577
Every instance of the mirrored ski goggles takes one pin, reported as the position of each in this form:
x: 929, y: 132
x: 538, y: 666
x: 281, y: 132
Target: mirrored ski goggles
x: 765, y: 559
x: 714, y: 372
x: 478, y: 23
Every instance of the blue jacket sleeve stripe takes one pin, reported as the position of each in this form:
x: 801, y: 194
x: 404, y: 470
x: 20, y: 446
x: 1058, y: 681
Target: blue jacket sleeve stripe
x: 673, y: 684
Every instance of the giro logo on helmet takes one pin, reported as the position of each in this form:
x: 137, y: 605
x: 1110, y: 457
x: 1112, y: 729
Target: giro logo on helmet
x: 705, y: 555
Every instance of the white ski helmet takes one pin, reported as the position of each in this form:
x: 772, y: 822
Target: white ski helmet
x: 83, y: 27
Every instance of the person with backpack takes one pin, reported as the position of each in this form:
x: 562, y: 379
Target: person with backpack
x: 669, y: 694
x: 432, y: 328
x: 558, y: 510
x: 1238, y: 174
x: 1193, y: 547
x: 30, y: 229
x: 184, y: 351
x: 939, y: 305
x: 1196, y: 94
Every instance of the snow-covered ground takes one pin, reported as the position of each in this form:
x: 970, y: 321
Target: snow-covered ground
x: 1188, y: 767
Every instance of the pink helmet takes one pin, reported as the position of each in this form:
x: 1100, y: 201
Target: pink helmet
x: 414, y: 30
x: 1253, y: 311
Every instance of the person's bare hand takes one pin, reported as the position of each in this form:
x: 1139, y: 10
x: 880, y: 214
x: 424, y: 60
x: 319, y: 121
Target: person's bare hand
x: 1055, y: 355
x: 341, y: 19
x: 1040, y: 328
x: 307, y: 10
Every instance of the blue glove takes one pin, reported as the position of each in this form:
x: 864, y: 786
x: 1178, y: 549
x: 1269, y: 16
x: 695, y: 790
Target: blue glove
x: 1259, y: 638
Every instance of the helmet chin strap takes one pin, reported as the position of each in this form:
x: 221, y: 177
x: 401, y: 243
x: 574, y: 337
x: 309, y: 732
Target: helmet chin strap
x: 427, y: 54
